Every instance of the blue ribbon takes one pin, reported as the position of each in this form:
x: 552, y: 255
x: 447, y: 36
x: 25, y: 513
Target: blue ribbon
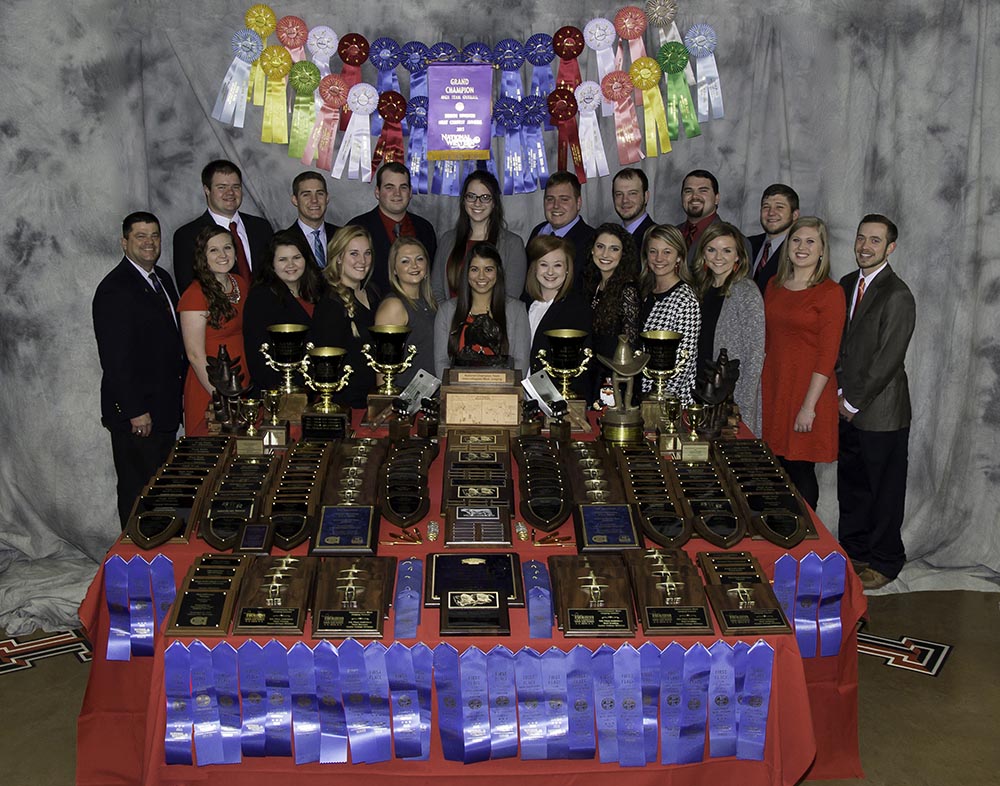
x: 116, y: 594
x: 475, y: 706
x: 697, y: 665
x: 538, y: 590
x: 140, y: 606
x: 332, y: 722
x: 556, y: 704
x: 177, y: 687
x: 207, y: 726
x: 603, y: 669
x: 305, y: 708
x: 449, y: 693
x: 503, y: 702
x: 161, y: 572
x: 405, y: 702
x: 477, y: 52
x: 834, y: 580
x: 416, y: 151
x: 253, y: 691
x: 228, y: 694
x: 509, y: 56
x: 385, y: 54
x: 535, y: 115
x: 752, y: 736
x: 786, y: 571
x: 671, y: 695
x: 378, y: 700
x: 649, y: 662
x: 721, y: 702
x: 628, y: 698
x: 807, y: 602
x: 740, y: 650
x: 530, y: 697
x: 540, y: 53
x: 447, y: 178
x: 580, y: 701
x: 278, y: 723
x: 357, y: 708
x: 409, y: 579
x: 423, y: 671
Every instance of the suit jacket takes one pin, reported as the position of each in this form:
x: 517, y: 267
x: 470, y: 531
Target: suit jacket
x: 141, y: 351
x: 259, y: 234
x: 871, y: 368
x: 771, y: 266
x: 381, y: 243
x: 330, y: 229
x: 581, y: 236
x: 640, y: 232
x: 518, y: 335
x: 515, y: 264
x: 264, y: 308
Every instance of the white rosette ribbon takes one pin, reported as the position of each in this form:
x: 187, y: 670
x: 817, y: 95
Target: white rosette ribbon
x: 599, y: 34
x: 701, y: 41
x: 595, y: 161
x: 231, y: 103
x: 322, y: 45
x: 356, y: 148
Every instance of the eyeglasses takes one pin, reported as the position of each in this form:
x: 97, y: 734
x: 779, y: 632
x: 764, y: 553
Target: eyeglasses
x: 483, y: 199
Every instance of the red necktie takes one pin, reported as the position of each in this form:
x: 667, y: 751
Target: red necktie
x: 861, y: 294
x: 763, y: 258
x: 242, y: 265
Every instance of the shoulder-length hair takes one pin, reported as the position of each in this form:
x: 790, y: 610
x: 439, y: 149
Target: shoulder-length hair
x: 673, y: 237
x: 335, y: 249
x: 311, y: 285
x: 538, y: 247
x: 220, y: 310
x: 498, y: 298
x: 425, y: 294
x: 704, y: 275
x: 624, y: 275
x: 822, y: 270
x: 463, y: 226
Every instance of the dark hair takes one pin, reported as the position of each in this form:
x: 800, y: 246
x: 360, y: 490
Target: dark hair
x: 704, y: 173
x: 780, y: 189
x: 302, y: 177
x: 311, y: 285
x: 498, y: 298
x: 561, y: 178
x: 391, y: 166
x: 463, y: 226
x: 626, y: 274
x: 891, y: 231
x: 741, y: 268
x: 219, y: 166
x: 139, y: 217
x: 219, y: 308
x: 631, y: 173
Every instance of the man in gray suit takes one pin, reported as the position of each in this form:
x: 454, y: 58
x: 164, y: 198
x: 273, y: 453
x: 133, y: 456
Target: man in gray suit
x: 874, y: 407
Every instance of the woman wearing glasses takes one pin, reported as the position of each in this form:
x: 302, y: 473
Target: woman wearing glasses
x: 480, y: 219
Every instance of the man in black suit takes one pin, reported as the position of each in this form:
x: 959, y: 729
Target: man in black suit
x: 142, y: 359
x: 779, y: 208
x: 563, y: 201
x: 700, y: 202
x: 222, y: 183
x: 874, y: 407
x: 630, y: 190
x: 310, y: 197
x: 391, y: 219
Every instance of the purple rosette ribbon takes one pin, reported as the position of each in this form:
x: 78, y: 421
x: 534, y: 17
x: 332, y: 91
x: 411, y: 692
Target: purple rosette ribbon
x: 416, y: 151
x: 386, y: 55
x: 231, y: 102
x: 509, y: 56
x: 701, y: 41
x: 539, y: 52
x: 508, y: 114
x: 414, y: 60
x: 535, y: 114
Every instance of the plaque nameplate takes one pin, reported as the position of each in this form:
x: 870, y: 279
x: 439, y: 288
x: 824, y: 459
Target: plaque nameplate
x: 352, y: 596
x: 475, y: 526
x: 481, y: 377
x: 605, y: 528
x: 274, y: 596
x: 475, y: 613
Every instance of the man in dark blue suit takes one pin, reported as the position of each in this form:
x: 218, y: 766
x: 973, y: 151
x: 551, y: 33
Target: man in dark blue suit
x: 142, y: 359
x: 779, y: 208
x: 311, y: 199
x: 630, y: 190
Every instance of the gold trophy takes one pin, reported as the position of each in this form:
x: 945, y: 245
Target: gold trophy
x: 565, y: 360
x: 250, y: 443
x: 325, y: 373
x: 275, y: 430
x: 284, y: 351
x: 664, y: 364
x: 389, y: 355
x: 668, y: 437
x: 623, y: 424
x: 694, y: 449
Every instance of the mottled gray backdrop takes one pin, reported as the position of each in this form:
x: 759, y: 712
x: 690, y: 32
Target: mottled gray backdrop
x: 861, y: 106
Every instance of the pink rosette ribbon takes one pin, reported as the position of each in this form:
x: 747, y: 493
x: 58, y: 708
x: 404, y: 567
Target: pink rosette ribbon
x: 595, y: 161
x: 231, y: 103
x: 322, y: 45
x: 618, y: 87
x: 661, y: 15
x: 323, y: 137
x: 701, y: 42
x: 630, y: 24
x: 293, y: 34
x: 600, y: 35
x: 356, y: 148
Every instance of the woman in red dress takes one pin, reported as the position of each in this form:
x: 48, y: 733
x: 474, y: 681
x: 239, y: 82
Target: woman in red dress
x: 804, y: 317
x: 211, y: 311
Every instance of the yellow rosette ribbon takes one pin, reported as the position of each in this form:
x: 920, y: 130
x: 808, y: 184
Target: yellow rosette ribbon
x: 275, y: 62
x: 645, y: 74
x: 262, y: 20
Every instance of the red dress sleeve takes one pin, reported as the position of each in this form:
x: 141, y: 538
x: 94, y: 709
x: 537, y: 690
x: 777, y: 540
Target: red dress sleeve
x: 832, y: 312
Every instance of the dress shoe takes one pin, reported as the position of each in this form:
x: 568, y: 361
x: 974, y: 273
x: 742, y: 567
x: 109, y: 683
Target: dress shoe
x: 858, y: 565
x: 871, y: 579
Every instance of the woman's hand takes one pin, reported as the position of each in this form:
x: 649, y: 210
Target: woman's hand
x: 804, y: 420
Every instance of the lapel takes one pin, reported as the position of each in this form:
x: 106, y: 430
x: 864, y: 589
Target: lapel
x: 870, y: 298
x: 150, y: 298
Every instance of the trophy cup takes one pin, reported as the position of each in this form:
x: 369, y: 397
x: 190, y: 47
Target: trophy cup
x: 284, y: 350
x: 565, y: 360
x: 390, y: 356
x: 274, y: 431
x: 694, y: 449
x: 325, y: 372
x: 250, y: 442
x: 623, y: 424
x: 668, y: 437
x: 664, y: 363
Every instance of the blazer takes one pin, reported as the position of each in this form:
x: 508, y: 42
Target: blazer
x: 330, y: 229
x: 381, y: 243
x: 259, y: 234
x: 141, y: 351
x: 518, y: 334
x: 740, y: 330
x: 640, y: 233
x: 264, y: 308
x: 771, y: 266
x: 871, y: 369
x: 515, y: 264
x: 581, y: 236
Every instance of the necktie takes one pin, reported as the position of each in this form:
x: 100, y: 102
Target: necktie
x: 763, y: 258
x: 396, y: 229
x: 155, y: 281
x: 242, y: 264
x: 318, y: 249
x: 688, y: 232
x: 857, y: 297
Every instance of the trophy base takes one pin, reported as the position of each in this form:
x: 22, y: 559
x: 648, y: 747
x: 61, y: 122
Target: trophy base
x: 249, y: 446
x: 324, y: 426
x: 576, y: 417
x: 668, y: 443
x: 378, y: 403
x: 622, y: 428
x: 275, y: 437
x: 292, y: 406
x: 695, y: 451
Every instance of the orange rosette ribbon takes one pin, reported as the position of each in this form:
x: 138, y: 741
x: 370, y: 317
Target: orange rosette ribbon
x: 618, y: 88
x: 323, y: 137
x: 293, y: 34
x: 262, y: 20
x: 645, y: 74
x: 275, y: 62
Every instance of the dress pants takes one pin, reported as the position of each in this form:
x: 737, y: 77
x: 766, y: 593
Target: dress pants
x: 136, y: 461
x: 871, y: 489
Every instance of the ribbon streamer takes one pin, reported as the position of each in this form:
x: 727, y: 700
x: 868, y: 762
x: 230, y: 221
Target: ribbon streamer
x: 721, y: 702
x: 253, y: 694
x: 580, y: 700
x: 603, y: 668
x: 356, y: 148
x: 276, y: 64
x: 645, y: 74
x: 807, y: 603
x: 617, y: 87
x: 116, y: 594
x: 322, y: 140
x: 503, y: 702
x: 231, y: 103
x: 595, y: 160
x: 332, y: 721
x: 405, y: 701
x: 262, y: 20
x: 278, y: 721
x: 475, y: 706
x: 563, y: 110
x: 449, y: 694
x: 752, y: 738
x: 423, y: 667
x: 649, y: 663
x: 304, y: 79
x: 509, y: 56
x: 293, y: 34
x: 224, y: 664
x: 414, y: 60
x: 530, y: 696
x: 416, y: 153
x: 539, y: 52
x: 353, y: 51
x: 392, y: 110
x: 377, y: 682
x: 671, y: 694
x: 207, y: 726
x: 662, y: 13
x: 628, y: 701
x: 161, y: 574
x: 142, y: 622
x: 556, y: 692
x: 834, y: 580
x: 508, y: 115
x: 305, y: 707
x: 535, y: 115
x: 357, y: 705
x: 177, y: 687
x: 701, y: 42
x: 673, y: 58
x: 600, y: 35
x: 385, y: 55
x: 322, y: 45
x: 694, y: 695
x: 568, y: 44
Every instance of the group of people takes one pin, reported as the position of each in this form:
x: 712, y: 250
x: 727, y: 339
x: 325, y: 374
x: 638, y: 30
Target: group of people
x: 483, y: 297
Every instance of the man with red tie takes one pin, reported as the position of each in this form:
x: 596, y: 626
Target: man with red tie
x: 779, y: 208
x: 700, y: 202
x: 222, y: 183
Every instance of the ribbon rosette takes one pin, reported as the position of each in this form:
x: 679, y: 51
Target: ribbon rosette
x: 392, y: 109
x: 662, y: 13
x: 414, y: 60
x: 509, y: 56
x: 275, y: 62
x: 701, y: 41
x: 600, y: 35
x: 508, y: 114
x: 304, y: 78
x: 386, y: 55
x: 293, y: 34
x: 617, y: 87
x: 630, y: 24
x: 645, y: 74
x: 231, y: 103
x: 416, y: 154
x: 477, y: 52
x: 563, y: 109
x: 323, y: 137
x: 322, y: 45
x: 595, y: 161
x: 539, y: 52
x: 442, y: 52
x: 534, y: 115
x: 568, y: 44
x: 356, y: 147
x: 353, y: 50
x: 261, y: 19
x: 673, y: 58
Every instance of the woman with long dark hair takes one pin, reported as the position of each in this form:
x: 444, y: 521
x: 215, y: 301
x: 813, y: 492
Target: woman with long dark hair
x: 480, y: 220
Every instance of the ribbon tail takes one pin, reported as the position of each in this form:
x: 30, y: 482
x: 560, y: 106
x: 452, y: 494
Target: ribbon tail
x: 673, y: 34
x: 709, y: 89
x: 303, y: 118
x: 275, y: 125
x: 605, y: 65
x: 231, y: 103
x: 655, y: 117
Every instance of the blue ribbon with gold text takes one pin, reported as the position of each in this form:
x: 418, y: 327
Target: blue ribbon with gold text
x: 503, y: 702
x: 752, y: 736
x: 332, y: 722
x: 177, y: 687
x: 305, y: 708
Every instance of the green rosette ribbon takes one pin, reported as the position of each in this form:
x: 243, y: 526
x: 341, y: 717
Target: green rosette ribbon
x: 304, y: 78
x: 673, y: 59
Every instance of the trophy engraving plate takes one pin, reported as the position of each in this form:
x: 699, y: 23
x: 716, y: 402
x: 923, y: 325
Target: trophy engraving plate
x: 352, y: 596
x: 468, y: 376
x: 605, y: 528
x: 201, y: 613
x: 487, y: 407
x: 747, y: 608
x: 346, y: 529
x: 219, y: 585
x: 475, y: 613
x: 274, y: 596
x: 255, y: 539
x: 490, y: 571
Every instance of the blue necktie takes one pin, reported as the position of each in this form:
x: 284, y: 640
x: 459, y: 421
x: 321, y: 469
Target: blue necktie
x: 318, y: 248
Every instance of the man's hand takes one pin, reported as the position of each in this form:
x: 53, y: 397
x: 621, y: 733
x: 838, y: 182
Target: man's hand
x: 142, y: 426
x: 845, y: 413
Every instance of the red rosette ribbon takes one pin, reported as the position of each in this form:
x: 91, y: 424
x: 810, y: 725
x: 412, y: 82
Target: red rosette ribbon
x: 563, y: 110
x: 618, y: 87
x: 323, y: 137
x: 568, y: 43
x: 293, y: 34
x: 630, y: 24
x: 392, y: 108
x: 353, y: 50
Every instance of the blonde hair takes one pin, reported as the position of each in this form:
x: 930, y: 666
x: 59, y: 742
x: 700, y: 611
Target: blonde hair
x: 426, y: 295
x: 673, y: 237
x: 822, y: 270
x: 703, y: 274
x: 334, y: 269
